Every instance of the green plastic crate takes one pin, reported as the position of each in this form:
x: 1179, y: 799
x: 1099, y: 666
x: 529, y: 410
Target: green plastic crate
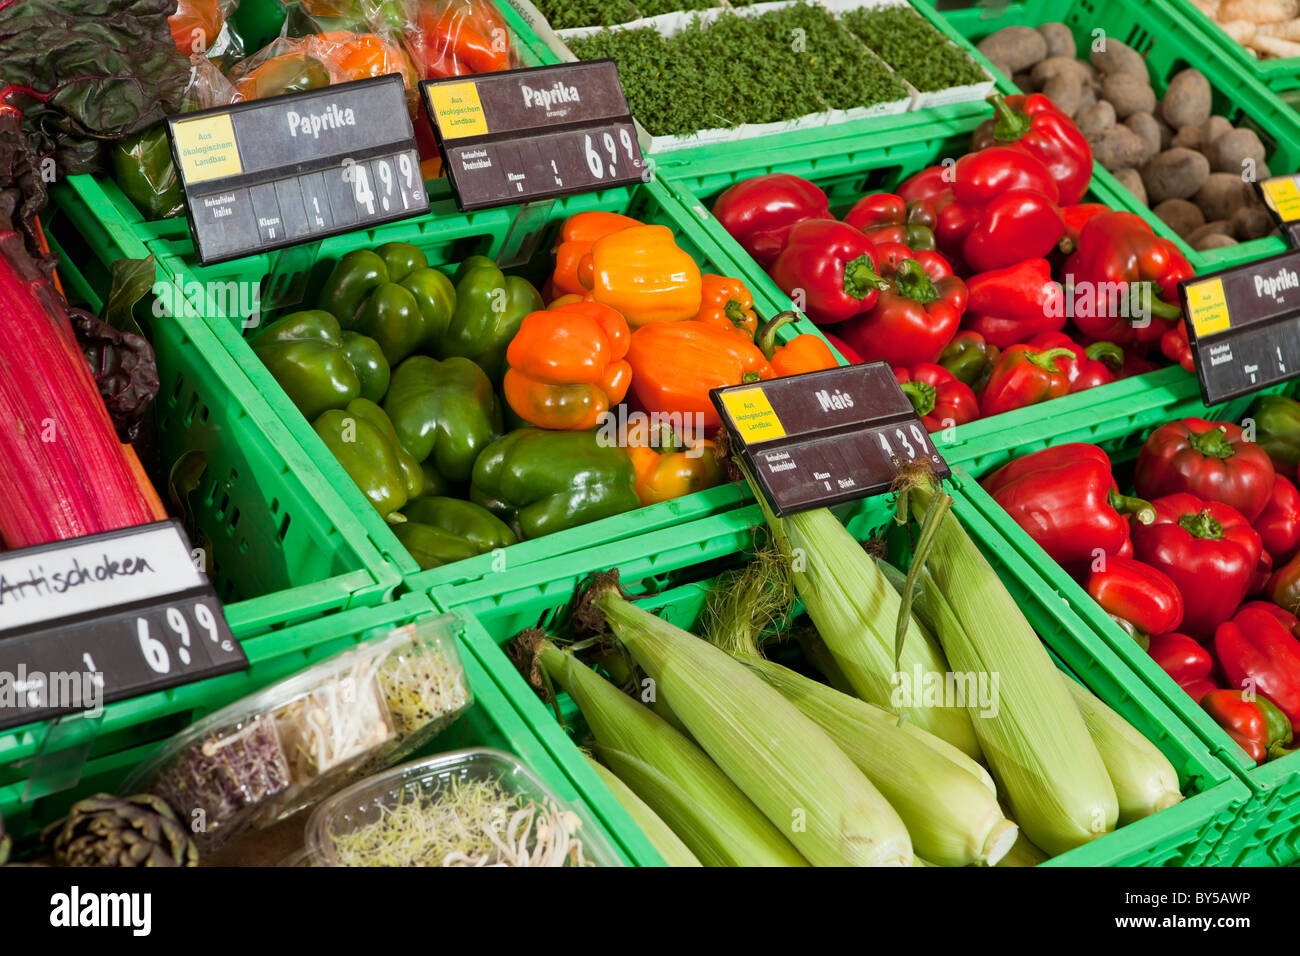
x: 447, y: 239
x: 1269, y: 832
x: 1156, y: 30
x: 850, y: 171
x: 491, y: 722
x: 1281, y: 75
x: 282, y: 547
x: 665, y: 573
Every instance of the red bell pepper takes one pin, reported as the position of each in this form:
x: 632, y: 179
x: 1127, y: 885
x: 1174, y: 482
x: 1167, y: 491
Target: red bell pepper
x: 1257, y: 652
x: 1137, y: 593
x: 1124, y: 278
x: 1024, y: 376
x: 1279, y: 523
x: 1010, y: 306
x: 885, y: 217
x: 1035, y: 125
x: 1241, y: 719
x: 1263, y: 573
x: 833, y: 267
x: 938, y: 397
x: 1283, y: 588
x: 1176, y: 347
x: 1210, y: 552
x: 1091, y: 366
x: 850, y: 354
x: 1075, y: 218
x: 915, y: 316
x: 1136, y: 362
x: 1212, y: 460
x: 1186, y: 661
x: 759, y: 212
x: 970, y: 359
x: 1284, y: 617
x: 1066, y: 499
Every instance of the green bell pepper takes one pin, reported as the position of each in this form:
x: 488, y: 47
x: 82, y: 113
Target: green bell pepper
x: 306, y: 353
x: 362, y: 439
x: 143, y: 168
x: 438, y: 531
x: 443, y: 412
x: 1277, y: 429
x: 540, y: 482
x: 391, y: 295
x: 490, y: 307
x: 368, y: 361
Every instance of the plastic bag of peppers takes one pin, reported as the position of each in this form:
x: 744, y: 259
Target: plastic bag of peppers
x: 986, y: 284
x: 472, y: 414
x: 1201, y: 564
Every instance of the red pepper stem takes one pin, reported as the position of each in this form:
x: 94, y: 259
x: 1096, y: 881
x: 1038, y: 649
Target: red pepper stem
x: 861, y: 278
x: 922, y: 396
x: 1212, y: 444
x: 1108, y: 353
x: 1201, y: 525
x: 1046, y: 360
x: 911, y: 281
x: 1137, y: 507
x: 765, y: 337
x: 1008, y: 125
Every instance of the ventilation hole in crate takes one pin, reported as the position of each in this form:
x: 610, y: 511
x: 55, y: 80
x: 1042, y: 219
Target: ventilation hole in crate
x: 234, y: 519
x: 1139, y: 39
x: 177, y: 388
x: 191, y: 407
x: 284, y: 527
x: 204, y: 414
x: 275, y: 506
x: 220, y: 510
x: 210, y: 495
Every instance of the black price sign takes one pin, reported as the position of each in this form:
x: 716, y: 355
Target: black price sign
x: 1244, y: 326
x: 537, y: 133
x: 824, y: 437
x: 271, y: 173
x: 1281, y: 195
x: 91, y: 620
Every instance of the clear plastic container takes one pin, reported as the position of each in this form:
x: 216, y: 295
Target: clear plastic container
x: 378, y: 801
x: 269, y: 755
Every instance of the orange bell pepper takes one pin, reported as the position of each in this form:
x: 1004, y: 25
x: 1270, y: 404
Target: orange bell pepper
x: 675, y: 364
x: 460, y: 38
x: 727, y: 304
x: 642, y: 272
x: 567, y: 366
x: 667, y: 469
x: 803, y: 353
x: 575, y: 240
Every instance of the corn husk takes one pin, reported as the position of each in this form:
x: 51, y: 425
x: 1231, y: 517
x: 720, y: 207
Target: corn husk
x: 1145, y: 781
x: 667, y: 843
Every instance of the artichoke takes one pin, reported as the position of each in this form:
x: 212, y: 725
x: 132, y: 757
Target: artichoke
x: 104, y: 830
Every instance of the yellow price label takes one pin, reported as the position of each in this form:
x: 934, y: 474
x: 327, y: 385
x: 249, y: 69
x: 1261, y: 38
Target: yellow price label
x: 207, y: 148
x: 1284, y: 196
x: 1208, y: 307
x: 753, y: 414
x: 458, y: 109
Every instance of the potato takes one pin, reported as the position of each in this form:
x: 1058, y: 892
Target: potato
x: 1145, y: 125
x: 1222, y: 194
x: 1166, y: 131
x: 1119, y: 148
x: 1216, y: 227
x: 1187, y: 100
x: 1262, y: 172
x: 1096, y: 119
x: 1044, y: 70
x: 1188, y: 137
x: 1087, y: 98
x: 1117, y: 57
x: 1016, y: 47
x: 1228, y: 153
x: 1175, y: 174
x: 1182, y: 216
x: 1251, y: 222
x: 1024, y: 82
x: 1213, y: 128
x: 1131, y: 180
x: 1066, y: 91
x: 1128, y: 93
x: 1060, y: 39
x: 1215, y: 240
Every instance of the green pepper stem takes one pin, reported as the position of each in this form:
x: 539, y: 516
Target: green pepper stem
x: 735, y: 312
x: 749, y: 378
x: 861, y: 278
x: 1156, y: 305
x: 765, y: 337
x: 911, y: 281
x: 921, y: 394
x: 1137, y: 507
x: 1108, y: 353
x: 1201, y: 525
x: 1212, y: 444
x: 1047, y: 360
x: 1008, y: 125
